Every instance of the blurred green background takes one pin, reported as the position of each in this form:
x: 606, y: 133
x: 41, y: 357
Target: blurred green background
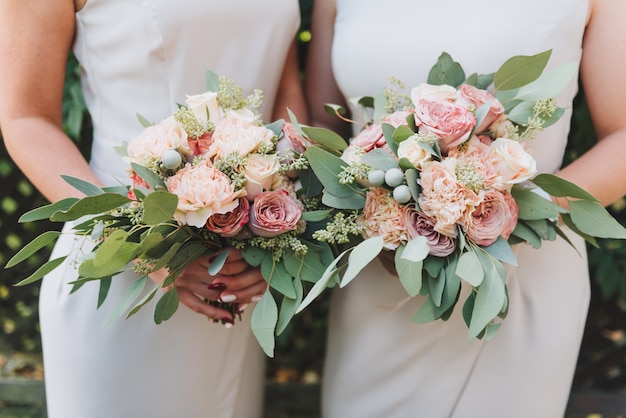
x: 300, y: 349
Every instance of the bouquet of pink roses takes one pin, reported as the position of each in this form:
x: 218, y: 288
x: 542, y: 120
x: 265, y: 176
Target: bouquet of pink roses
x: 443, y: 178
x: 209, y: 176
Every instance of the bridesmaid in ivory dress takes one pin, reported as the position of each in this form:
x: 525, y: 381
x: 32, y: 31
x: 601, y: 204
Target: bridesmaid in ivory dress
x: 139, y: 56
x: 379, y: 363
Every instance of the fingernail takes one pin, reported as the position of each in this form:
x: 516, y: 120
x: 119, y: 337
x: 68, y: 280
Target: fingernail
x: 228, y: 298
x: 217, y: 286
x: 241, y: 307
x: 228, y: 325
x: 256, y: 298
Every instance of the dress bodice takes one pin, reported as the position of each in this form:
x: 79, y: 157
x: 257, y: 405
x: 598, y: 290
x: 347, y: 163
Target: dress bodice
x: 409, y: 35
x: 145, y: 56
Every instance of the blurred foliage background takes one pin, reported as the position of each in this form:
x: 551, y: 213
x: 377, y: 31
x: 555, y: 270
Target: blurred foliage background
x: 300, y: 349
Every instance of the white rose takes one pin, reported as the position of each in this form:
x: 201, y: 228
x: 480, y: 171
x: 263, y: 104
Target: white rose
x: 205, y: 107
x: 353, y: 154
x: 512, y: 161
x: 412, y: 150
x: 260, y: 171
x: 431, y: 92
x: 234, y: 134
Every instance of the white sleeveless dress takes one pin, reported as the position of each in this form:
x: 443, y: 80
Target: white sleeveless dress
x: 380, y: 363
x: 144, y: 56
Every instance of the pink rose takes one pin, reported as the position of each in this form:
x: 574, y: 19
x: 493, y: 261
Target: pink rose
x: 230, y: 223
x: 468, y: 94
x: 513, y: 216
x: 373, y: 137
x: 382, y: 216
x: 491, y: 218
x: 418, y: 224
x: 273, y: 213
x: 290, y: 146
x: 450, y: 123
x: 202, y: 191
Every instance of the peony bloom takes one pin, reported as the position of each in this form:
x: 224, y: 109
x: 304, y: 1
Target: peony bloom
x: 492, y: 218
x: 273, y: 213
x: 202, y: 191
x: 470, y: 95
x: 238, y: 135
x: 418, y: 224
x: 512, y: 161
x: 231, y: 223
x: 259, y: 171
x: 155, y: 140
x: 382, y: 216
x: 433, y: 92
x: 412, y: 150
x: 444, y: 198
x: 450, y: 123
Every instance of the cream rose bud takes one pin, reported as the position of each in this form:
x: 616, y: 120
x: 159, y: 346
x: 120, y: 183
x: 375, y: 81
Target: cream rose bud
x: 274, y: 213
x: 432, y: 92
x: 202, y: 191
x: 238, y: 135
x: 259, y: 171
x: 450, y: 123
x: 353, y: 154
x: 155, y: 140
x: 512, y: 161
x: 412, y: 150
x: 243, y: 114
x: 205, y: 106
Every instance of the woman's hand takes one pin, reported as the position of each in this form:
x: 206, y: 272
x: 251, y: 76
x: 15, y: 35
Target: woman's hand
x: 236, y: 282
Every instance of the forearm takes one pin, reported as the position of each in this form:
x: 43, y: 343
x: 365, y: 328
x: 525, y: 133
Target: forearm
x: 44, y: 153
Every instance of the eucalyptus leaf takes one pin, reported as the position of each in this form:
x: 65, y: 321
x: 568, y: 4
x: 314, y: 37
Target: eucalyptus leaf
x: 411, y: 176
x: 557, y: 186
x: 327, y: 168
x: 402, y: 133
x: 90, y: 205
x: 143, y: 121
x: 159, y: 207
x: 361, y: 256
x: 433, y: 265
x: 45, y: 212
x: 380, y: 106
x: 316, y: 215
x: 379, y: 159
x: 33, y: 247
x: 103, y: 290
x: 490, y: 299
x: 470, y: 269
x: 416, y: 249
x: 527, y: 234
x: 543, y: 228
x: 263, y: 322
x: 130, y: 296
x: 277, y: 276
x: 144, y: 301
x: 42, y: 271
x: 330, y: 274
x: 276, y: 127
x: 501, y: 250
x: 166, y: 306
x: 255, y: 255
x: 354, y: 202
x: 326, y: 137
x: 334, y: 110
x: 567, y: 220
x: 436, y: 286
x: 446, y: 71
x: 593, y: 219
x: 520, y: 70
x: 521, y: 113
x: 550, y: 84
x: 308, y: 267
x: 149, y: 176
x: 82, y: 186
x: 212, y: 81
x: 409, y: 272
x: 288, y: 307
x: 217, y: 263
x: 294, y: 122
x: 532, y: 206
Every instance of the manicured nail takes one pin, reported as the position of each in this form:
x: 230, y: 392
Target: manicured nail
x: 256, y: 298
x: 217, y: 286
x: 228, y: 325
x: 228, y: 298
x: 241, y: 307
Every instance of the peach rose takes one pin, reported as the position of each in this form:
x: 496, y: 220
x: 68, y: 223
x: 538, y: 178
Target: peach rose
x: 202, y: 191
x: 273, y: 213
x: 382, y: 216
x: 512, y: 217
x: 411, y: 149
x: 206, y: 107
x: 490, y: 219
x: 450, y: 123
x: 373, y: 137
x: 238, y: 135
x: 231, y: 223
x: 418, y: 224
x: 291, y: 140
x: 443, y: 197
x: 259, y: 171
x: 155, y: 140
x: 512, y: 161
x: 470, y: 95
x: 432, y: 92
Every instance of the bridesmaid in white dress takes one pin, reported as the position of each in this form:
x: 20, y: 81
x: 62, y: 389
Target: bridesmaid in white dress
x: 379, y: 363
x: 139, y: 56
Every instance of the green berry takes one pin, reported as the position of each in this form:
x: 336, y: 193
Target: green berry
x: 394, y: 177
x: 402, y: 194
x: 376, y: 177
x: 171, y: 159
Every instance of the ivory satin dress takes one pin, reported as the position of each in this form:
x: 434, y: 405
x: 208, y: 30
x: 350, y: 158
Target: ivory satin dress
x: 381, y: 364
x: 145, y: 56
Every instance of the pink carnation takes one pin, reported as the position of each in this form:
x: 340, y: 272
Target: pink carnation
x: 273, y: 213
x: 383, y: 216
